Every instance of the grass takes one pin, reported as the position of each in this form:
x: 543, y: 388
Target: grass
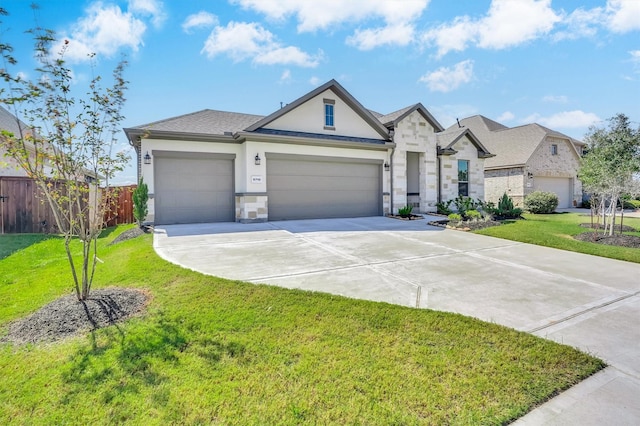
x: 210, y: 350
x: 14, y: 242
x: 557, y: 230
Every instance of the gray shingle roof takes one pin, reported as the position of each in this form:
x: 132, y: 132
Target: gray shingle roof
x: 207, y: 121
x: 512, y: 146
x: 8, y: 122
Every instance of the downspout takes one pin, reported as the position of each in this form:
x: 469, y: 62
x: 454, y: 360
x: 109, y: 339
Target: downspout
x: 393, y: 150
x: 439, y: 166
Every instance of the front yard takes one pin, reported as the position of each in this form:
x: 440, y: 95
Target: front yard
x: 558, y: 231
x: 210, y: 350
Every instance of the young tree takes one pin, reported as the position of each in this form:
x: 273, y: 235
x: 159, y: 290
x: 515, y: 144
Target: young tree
x: 611, y: 167
x: 140, y: 199
x: 68, y: 148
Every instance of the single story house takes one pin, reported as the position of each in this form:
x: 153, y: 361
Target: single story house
x: 527, y: 158
x: 323, y: 155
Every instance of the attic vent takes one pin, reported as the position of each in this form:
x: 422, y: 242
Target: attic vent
x: 422, y: 123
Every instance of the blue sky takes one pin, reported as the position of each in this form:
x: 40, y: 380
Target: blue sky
x: 565, y: 64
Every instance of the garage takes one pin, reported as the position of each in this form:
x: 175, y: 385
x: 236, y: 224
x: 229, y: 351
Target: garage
x: 560, y: 186
x: 193, y: 187
x: 311, y: 187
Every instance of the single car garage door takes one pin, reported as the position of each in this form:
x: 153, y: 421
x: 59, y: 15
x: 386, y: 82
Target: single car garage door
x: 193, y: 188
x: 309, y: 187
x: 562, y: 187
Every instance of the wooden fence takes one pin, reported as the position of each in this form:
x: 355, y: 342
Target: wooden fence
x: 23, y: 209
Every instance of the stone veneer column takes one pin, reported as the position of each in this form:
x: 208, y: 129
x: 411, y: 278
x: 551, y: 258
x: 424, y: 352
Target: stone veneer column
x: 252, y: 207
x: 399, y: 180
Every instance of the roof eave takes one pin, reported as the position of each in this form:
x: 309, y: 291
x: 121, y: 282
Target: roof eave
x: 135, y: 135
x: 261, y: 137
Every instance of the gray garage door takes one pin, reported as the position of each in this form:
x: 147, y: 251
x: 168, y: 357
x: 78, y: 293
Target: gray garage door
x: 193, y: 188
x: 305, y: 187
x: 560, y: 186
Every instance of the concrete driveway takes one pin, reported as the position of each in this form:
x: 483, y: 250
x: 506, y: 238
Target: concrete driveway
x: 585, y: 301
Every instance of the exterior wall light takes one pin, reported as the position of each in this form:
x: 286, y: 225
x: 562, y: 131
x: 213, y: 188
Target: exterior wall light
x: 387, y: 167
x: 257, y: 159
x: 147, y: 158
x: 530, y: 175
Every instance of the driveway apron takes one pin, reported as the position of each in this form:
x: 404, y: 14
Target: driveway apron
x: 585, y: 301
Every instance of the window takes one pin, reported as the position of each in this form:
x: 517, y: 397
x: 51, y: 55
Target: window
x: 554, y: 149
x: 463, y: 178
x: 328, y: 114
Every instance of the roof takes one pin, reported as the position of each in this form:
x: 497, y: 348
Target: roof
x: 207, y: 121
x: 9, y: 122
x: 448, y: 138
x: 514, y: 146
x: 393, y: 118
x: 341, y: 92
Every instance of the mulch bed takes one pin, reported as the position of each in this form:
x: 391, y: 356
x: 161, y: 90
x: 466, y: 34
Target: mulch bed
x: 130, y: 233
x: 67, y: 316
x: 410, y: 217
x: 620, y: 240
x: 625, y: 228
x: 466, y: 226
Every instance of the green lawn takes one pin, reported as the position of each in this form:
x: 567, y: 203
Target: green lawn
x: 13, y: 242
x: 557, y: 230
x: 211, y: 350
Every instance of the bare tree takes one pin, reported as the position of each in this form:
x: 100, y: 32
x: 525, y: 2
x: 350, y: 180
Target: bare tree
x: 67, y: 146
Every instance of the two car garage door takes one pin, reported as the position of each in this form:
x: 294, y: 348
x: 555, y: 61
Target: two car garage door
x: 192, y: 188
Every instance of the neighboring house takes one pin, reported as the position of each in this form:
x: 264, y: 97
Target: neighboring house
x: 527, y: 158
x: 323, y: 155
x: 9, y: 122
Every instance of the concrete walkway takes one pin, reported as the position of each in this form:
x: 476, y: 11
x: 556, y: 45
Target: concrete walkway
x: 585, y: 301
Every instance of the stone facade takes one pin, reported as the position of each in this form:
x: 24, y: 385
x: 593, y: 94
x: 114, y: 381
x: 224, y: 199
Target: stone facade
x: 466, y: 150
x: 518, y: 182
x: 415, y: 134
x: 510, y: 181
x: 251, y: 208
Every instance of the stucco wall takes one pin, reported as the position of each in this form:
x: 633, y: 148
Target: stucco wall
x: 309, y: 117
x: 449, y: 171
x: 415, y: 134
x: 251, y: 179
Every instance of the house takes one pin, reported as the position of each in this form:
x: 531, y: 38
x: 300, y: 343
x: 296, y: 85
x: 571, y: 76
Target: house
x: 9, y: 122
x: 528, y: 158
x: 323, y: 155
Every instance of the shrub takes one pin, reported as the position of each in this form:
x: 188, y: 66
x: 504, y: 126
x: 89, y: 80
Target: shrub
x: 444, y: 207
x: 455, y: 217
x: 140, y: 199
x: 540, y: 202
x: 473, y: 214
x: 506, y: 209
x: 463, y: 204
x: 405, y: 211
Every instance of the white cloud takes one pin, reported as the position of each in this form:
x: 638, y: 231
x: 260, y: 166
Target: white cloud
x: 506, y: 116
x: 447, y: 114
x: 153, y: 8
x: 565, y: 119
x: 624, y: 15
x: 22, y: 75
x: 312, y: 16
x: 242, y: 40
x: 555, y: 99
x: 447, y: 79
x: 508, y: 23
x: 201, y: 19
x: 104, y: 30
x: 371, y: 38
x: 581, y: 23
x: 314, y: 81
x: 286, y: 76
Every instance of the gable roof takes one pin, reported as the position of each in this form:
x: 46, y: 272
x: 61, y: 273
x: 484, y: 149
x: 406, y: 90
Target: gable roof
x: 395, y: 117
x: 513, y: 146
x: 448, y: 138
x: 342, y: 93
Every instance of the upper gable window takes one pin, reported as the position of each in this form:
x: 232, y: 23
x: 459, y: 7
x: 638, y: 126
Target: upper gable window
x: 554, y: 149
x: 329, y: 105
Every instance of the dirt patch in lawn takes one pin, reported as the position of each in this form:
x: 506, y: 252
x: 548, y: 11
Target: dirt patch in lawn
x: 620, y: 240
x: 130, y: 233
x: 625, y: 228
x: 67, y: 316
